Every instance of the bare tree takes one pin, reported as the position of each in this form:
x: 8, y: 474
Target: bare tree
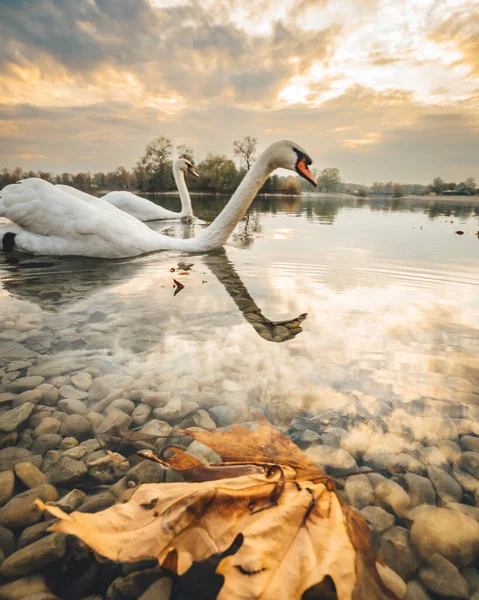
x: 183, y: 151
x: 245, y: 149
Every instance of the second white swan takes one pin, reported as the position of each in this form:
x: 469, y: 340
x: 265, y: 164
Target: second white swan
x: 51, y: 222
x: 143, y: 209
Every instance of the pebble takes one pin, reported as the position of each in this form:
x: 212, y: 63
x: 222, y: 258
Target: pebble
x: 223, y: 415
x: 49, y: 394
x: 359, y: 491
x: 157, y: 427
x: 97, y: 502
x: 391, y: 495
x: 335, y: 461
x: 443, y: 578
x: 76, y: 426
x: 7, y: 482
x: 9, y: 457
x: 7, y: 541
x: 47, y: 425
x: 432, y: 457
x: 203, y: 453
x: 71, y: 501
x: 380, y: 457
x: 30, y: 475
x: 377, y: 518
x: 12, y: 419
x: 33, y: 396
x: 47, y: 441
x: 396, y: 551
x: 470, y: 443
x: 82, y: 380
x: 140, y: 415
x: 24, y: 383
x: 98, y: 390
x: 67, y: 472
x: 415, y: 591
x: 73, y: 407
x: 115, y: 418
x: 35, y: 556
x: 420, y: 490
x: 392, y: 580
x: 24, y: 588
x: 69, y: 392
x: 33, y: 533
x: 160, y: 590
x: 19, y: 513
x: 469, y: 462
x: 452, y: 534
x: 447, y: 488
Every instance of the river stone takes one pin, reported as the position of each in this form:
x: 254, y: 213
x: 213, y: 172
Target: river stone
x: 470, y: 443
x: 160, y: 590
x: 432, y: 457
x: 333, y: 436
x: 97, y: 502
x: 133, y: 585
x: 380, y: 457
x: 415, y: 591
x: 469, y: 462
x: 47, y: 425
x: 470, y: 511
x: 53, y: 368
x: 454, y: 535
x: 33, y: 533
x: 356, y: 443
x: 442, y: 577
x: 447, y: 488
x: 11, y: 419
x: 420, y: 490
x: 115, y: 418
x: 47, y: 441
x: 157, y: 427
x: 72, y: 501
x: 24, y: 588
x: 24, y: 383
x: 44, y: 491
x: 153, y: 399
x: 126, y: 406
x: 29, y: 474
x: 390, y: 495
x: 67, y: 472
x: 7, y: 541
x: 73, y: 407
x: 49, y: 394
x: 395, y: 550
x: 410, y: 464
x: 11, y: 351
x: 468, y: 482
x: 35, y: 556
x: 33, y: 396
x: 203, y: 453
x: 140, y: 415
x: 82, y: 380
x: 7, y: 482
x: 392, y: 580
x: 76, y: 426
x: 20, y: 513
x: 223, y: 415
x: 335, y: 460
x: 359, y: 491
x: 69, y: 392
x: 9, y: 457
x: 98, y: 390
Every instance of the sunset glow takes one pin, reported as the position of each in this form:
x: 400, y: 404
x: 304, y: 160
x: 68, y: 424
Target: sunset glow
x: 87, y: 73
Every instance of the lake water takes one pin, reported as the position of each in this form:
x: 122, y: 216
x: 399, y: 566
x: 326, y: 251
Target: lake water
x: 388, y: 354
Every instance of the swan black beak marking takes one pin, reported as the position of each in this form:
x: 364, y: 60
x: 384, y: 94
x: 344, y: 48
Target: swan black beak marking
x: 303, y: 170
x: 193, y: 171
x: 8, y: 241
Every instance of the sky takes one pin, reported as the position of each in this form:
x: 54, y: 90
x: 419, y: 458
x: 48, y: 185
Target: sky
x: 381, y: 89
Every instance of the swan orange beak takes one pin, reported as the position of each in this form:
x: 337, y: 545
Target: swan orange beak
x: 303, y: 170
x: 193, y: 171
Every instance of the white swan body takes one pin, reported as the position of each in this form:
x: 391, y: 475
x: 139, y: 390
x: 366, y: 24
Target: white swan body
x: 143, y: 209
x: 50, y: 221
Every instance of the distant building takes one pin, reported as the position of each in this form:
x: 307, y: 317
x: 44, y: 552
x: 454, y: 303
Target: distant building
x: 459, y: 190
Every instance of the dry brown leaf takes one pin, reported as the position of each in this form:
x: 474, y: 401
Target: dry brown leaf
x: 295, y: 530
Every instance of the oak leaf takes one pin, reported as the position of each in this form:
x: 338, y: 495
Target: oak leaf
x: 292, y: 528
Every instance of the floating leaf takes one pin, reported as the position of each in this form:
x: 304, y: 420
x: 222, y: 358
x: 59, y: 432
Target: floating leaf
x: 290, y: 528
x: 179, y: 286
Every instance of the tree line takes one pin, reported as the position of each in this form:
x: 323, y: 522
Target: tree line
x: 220, y: 174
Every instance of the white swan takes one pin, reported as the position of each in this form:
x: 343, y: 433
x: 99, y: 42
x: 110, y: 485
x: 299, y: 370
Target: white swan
x: 51, y: 222
x: 143, y: 209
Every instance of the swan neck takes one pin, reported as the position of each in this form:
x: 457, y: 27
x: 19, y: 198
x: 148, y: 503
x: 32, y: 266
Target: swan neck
x: 218, y: 232
x: 186, y: 208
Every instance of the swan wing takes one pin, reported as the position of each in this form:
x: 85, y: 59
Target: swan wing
x: 139, y: 207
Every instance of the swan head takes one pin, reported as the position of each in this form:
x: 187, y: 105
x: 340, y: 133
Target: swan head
x: 185, y: 165
x: 291, y: 156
